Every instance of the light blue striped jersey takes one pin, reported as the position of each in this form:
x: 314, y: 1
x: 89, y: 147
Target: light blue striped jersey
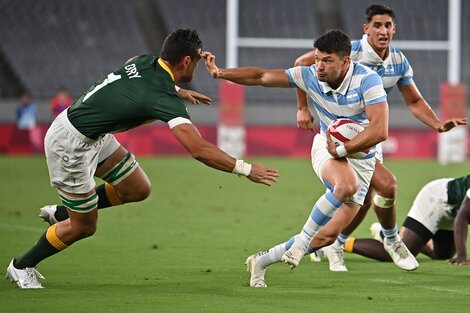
x: 395, y: 69
x: 360, y: 87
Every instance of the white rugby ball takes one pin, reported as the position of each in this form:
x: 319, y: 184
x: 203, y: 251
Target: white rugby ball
x: 343, y: 130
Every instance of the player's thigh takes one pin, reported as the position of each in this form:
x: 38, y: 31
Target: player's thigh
x: 414, y: 238
x: 444, y: 246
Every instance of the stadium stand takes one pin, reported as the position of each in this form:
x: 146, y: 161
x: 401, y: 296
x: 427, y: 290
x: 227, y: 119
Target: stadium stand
x: 67, y: 43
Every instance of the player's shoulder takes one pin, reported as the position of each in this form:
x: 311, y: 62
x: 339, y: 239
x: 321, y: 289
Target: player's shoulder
x: 360, y: 69
x: 356, y: 46
x: 397, y: 55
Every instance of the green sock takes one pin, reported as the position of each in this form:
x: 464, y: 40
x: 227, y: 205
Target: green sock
x: 61, y: 213
x: 41, y: 250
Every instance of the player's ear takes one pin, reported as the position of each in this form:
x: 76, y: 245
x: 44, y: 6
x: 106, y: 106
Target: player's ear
x: 366, y: 28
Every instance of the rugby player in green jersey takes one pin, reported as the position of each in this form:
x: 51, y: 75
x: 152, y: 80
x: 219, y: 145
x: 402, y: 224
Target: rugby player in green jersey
x: 79, y: 145
x: 436, y: 225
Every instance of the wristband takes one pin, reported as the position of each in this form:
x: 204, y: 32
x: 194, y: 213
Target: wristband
x: 242, y: 168
x: 177, y: 88
x: 341, y: 151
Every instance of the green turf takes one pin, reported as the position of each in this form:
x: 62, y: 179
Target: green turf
x: 182, y: 250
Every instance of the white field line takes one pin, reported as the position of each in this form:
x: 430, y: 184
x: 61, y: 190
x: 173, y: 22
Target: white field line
x: 396, y: 282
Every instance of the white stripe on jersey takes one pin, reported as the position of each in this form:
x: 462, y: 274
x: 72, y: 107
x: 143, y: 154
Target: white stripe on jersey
x: 360, y: 87
x: 395, y: 69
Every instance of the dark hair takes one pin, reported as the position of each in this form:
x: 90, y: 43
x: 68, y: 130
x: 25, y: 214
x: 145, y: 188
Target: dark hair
x: 334, y: 41
x: 378, y: 9
x: 180, y: 43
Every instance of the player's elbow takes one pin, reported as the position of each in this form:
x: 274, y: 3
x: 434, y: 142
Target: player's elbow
x: 199, y: 153
x: 300, y: 61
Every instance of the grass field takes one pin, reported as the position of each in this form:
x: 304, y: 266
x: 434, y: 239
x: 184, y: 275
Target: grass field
x: 182, y: 250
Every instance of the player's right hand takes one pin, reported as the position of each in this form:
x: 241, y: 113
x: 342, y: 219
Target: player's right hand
x: 209, y: 60
x: 305, y: 119
x: 262, y: 175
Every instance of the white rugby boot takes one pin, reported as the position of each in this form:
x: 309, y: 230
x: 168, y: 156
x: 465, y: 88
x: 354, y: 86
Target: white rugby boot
x: 335, y: 257
x: 375, y: 230
x: 316, y: 256
x: 293, y: 256
x: 47, y: 214
x: 400, y: 254
x: 24, y: 278
x: 256, y: 272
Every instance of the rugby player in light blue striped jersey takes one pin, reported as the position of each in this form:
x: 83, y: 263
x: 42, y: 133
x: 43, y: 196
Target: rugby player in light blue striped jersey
x: 337, y: 87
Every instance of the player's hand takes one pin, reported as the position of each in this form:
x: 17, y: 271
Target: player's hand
x: 209, y: 60
x: 194, y: 97
x: 331, y: 146
x: 305, y: 119
x: 458, y: 261
x: 451, y: 123
x: 262, y: 175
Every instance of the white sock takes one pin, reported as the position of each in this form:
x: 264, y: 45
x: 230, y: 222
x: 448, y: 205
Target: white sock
x: 271, y: 256
x: 391, y: 234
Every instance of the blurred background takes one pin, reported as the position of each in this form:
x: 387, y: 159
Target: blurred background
x: 53, y: 50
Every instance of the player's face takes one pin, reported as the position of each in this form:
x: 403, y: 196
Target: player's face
x: 380, y: 31
x: 330, y: 68
x: 191, y: 67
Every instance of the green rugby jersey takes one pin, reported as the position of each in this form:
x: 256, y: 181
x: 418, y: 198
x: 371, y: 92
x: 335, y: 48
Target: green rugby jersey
x: 456, y: 192
x: 139, y: 92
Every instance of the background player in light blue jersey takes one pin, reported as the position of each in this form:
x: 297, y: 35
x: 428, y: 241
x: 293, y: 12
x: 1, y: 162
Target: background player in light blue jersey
x: 376, y: 52
x: 337, y: 87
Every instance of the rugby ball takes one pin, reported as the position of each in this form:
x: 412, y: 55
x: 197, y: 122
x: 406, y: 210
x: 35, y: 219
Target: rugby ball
x: 343, y: 130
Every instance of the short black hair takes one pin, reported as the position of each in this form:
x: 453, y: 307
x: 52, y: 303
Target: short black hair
x: 180, y: 43
x: 378, y: 9
x: 334, y: 41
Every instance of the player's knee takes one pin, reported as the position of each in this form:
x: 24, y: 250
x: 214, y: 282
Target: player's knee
x: 84, y: 230
x: 345, y: 190
x: 137, y: 192
x: 326, y: 239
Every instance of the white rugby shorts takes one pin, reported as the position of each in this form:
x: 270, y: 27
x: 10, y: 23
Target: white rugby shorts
x: 364, y: 169
x: 430, y: 206
x: 72, y: 158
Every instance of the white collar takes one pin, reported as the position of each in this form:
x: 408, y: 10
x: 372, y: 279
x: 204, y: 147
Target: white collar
x: 343, y: 88
x: 371, y: 57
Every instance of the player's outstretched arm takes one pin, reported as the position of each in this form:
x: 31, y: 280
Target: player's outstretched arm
x: 249, y: 76
x: 209, y: 154
x: 194, y: 97
x: 460, y: 233
x: 423, y: 111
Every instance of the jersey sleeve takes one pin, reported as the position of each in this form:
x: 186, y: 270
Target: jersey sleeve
x: 298, y: 76
x: 407, y: 70
x: 172, y: 110
x: 372, y: 89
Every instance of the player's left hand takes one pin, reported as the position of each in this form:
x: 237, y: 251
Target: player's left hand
x: 209, y: 60
x: 194, y: 97
x: 451, y: 123
x: 458, y: 261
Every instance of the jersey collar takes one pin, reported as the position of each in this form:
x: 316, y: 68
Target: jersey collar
x: 166, y: 68
x: 370, y: 55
